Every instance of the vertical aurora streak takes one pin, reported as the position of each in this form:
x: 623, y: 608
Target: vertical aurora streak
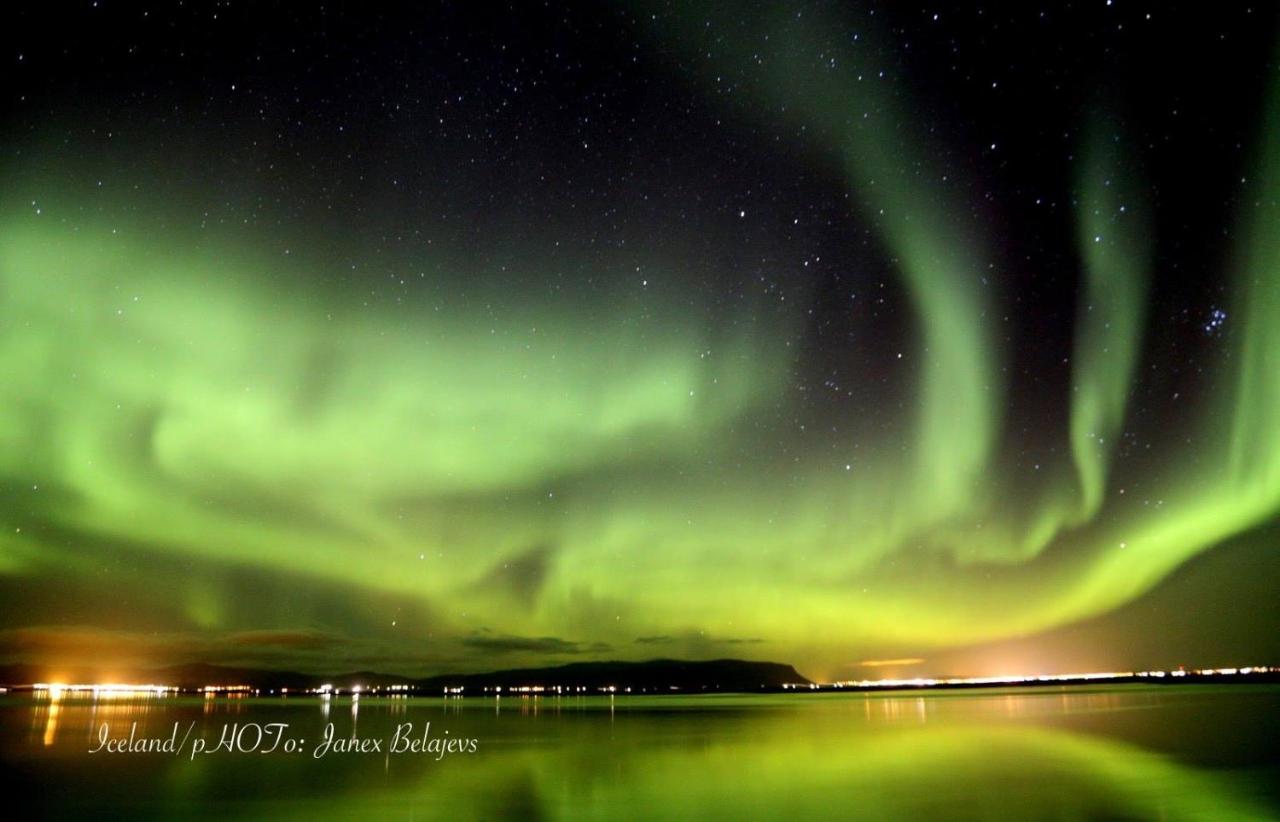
x: 1116, y: 256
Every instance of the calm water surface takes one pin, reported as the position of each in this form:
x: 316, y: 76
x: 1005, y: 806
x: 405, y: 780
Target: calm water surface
x: 1130, y: 752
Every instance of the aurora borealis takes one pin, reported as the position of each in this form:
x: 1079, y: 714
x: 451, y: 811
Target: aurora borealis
x: 452, y: 340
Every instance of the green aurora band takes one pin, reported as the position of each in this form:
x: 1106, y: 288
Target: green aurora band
x: 526, y: 470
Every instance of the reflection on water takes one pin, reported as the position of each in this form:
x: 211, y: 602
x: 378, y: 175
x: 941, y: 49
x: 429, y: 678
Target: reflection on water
x: 51, y: 719
x: 1127, y: 752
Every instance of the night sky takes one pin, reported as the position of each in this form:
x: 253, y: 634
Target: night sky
x: 468, y: 336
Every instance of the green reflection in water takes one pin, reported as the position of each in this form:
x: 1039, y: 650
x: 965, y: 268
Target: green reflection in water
x: 986, y: 756
x: 780, y: 771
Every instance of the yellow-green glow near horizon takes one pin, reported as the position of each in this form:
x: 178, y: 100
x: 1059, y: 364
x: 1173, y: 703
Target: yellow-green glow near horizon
x: 531, y: 470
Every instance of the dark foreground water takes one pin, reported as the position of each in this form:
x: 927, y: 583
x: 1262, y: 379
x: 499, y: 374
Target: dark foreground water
x: 1129, y: 752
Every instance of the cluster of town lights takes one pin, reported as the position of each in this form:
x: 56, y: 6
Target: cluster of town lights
x: 56, y: 689
x: 931, y: 682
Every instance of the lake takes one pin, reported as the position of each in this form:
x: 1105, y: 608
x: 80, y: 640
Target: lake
x: 1116, y: 752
